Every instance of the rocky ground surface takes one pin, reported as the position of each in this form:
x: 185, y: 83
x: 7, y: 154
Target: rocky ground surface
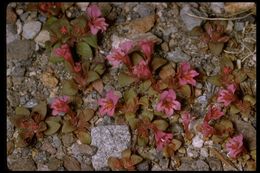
x: 32, y: 78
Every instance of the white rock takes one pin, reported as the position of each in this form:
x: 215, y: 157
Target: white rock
x: 19, y: 11
x: 82, y: 5
x: 42, y: 37
x: 197, y: 141
x: 204, y: 152
x: 217, y: 7
x: 31, y: 29
x: 19, y: 26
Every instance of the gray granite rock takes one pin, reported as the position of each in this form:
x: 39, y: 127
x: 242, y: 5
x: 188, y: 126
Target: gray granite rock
x: 144, y: 9
x: 11, y: 33
x: 20, y: 50
x: 215, y: 164
x: 31, y: 29
x: 177, y: 56
x: 190, y: 22
x: 111, y: 141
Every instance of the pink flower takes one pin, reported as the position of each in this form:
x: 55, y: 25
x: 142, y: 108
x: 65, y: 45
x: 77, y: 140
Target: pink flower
x: 60, y: 105
x: 147, y: 47
x: 214, y: 113
x: 141, y: 70
x: 108, y: 104
x: 63, y: 30
x: 96, y: 22
x: 227, y: 96
x: 64, y: 51
x: 206, y: 129
x: 186, y: 75
x: 234, y: 146
x: 168, y: 103
x: 162, y: 139
x: 119, y: 55
x: 186, y: 119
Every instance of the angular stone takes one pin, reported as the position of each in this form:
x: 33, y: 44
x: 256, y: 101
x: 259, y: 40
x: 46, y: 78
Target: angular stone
x: 20, y: 50
x: 31, y: 29
x: 177, y: 56
x: 141, y: 25
x: 11, y: 33
x: 111, y: 141
x: 22, y: 164
x: 54, y: 164
x: 215, y: 164
x: 10, y: 16
x: 42, y: 37
x: 197, y: 141
x: 189, y: 21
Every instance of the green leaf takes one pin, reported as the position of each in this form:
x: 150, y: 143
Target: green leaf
x: 51, y: 20
x: 125, y: 80
x: 166, y: 71
x: 161, y: 124
x: 92, y: 76
x: 86, y: 114
x: 84, y: 137
x: 84, y: 50
x: 186, y: 91
x: 233, y: 110
x: 136, y: 159
x: 100, y: 69
x: 145, y: 86
x: 130, y: 95
x: 56, y: 119
x: 225, y: 61
x: 144, y: 101
x: 79, y: 22
x: 250, y: 99
x: 142, y: 141
x: 240, y: 75
x: 215, y: 80
x: 126, y: 153
x: 69, y: 87
x: 216, y: 48
x: 22, y: 111
x: 157, y: 62
x: 53, y: 127
x: 136, y: 58
x: 91, y: 40
x: 148, y: 114
x: 20, y: 142
x: 67, y: 127
x: 132, y: 121
x: 41, y: 108
x: 151, y: 92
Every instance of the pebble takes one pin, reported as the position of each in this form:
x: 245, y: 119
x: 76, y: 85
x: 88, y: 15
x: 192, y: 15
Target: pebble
x: 165, y: 46
x: 204, y: 152
x: 31, y: 29
x: 10, y: 16
x: 143, y: 166
x: 214, y: 164
x: 217, y: 7
x: 82, y: 5
x: 42, y: 37
x: 239, y: 26
x: 189, y: 21
x: 11, y: 34
x: 24, y: 16
x: 19, y: 11
x: 54, y: 164
x: 31, y: 103
x: 192, y: 152
x: 56, y: 142
x: 177, y: 56
x: 197, y: 141
x: 144, y: 9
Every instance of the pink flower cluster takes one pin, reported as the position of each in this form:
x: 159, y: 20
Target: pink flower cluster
x: 64, y: 52
x: 120, y: 55
x: 60, y: 105
x: 226, y: 96
x: 162, y: 139
x: 141, y: 70
x: 168, y: 102
x: 96, y: 23
x: 185, y: 74
x: 234, y: 146
x: 214, y: 113
x: 108, y: 104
